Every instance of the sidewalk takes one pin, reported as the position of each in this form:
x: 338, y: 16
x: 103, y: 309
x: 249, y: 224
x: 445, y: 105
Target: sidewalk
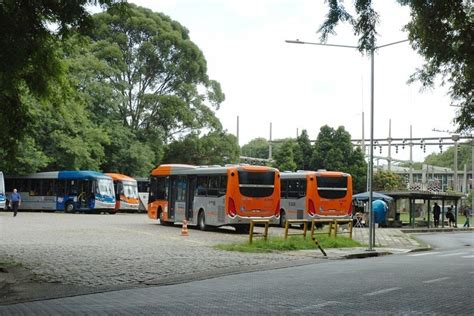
x: 387, y: 241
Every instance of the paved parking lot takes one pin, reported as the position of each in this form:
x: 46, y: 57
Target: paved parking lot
x: 114, y: 250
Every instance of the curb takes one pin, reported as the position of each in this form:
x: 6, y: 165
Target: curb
x: 362, y: 255
x: 421, y: 249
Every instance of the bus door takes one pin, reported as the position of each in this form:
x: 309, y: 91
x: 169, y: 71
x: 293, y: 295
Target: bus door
x: 173, y: 192
x: 181, y: 198
x: 192, y: 181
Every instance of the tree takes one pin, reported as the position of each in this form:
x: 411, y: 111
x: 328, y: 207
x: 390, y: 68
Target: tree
x: 215, y: 148
x: 439, y: 30
x: 284, y: 156
x: 387, y: 181
x: 333, y: 150
x: 29, y: 60
x: 446, y: 158
x: 157, y: 75
x: 303, y: 152
x: 256, y: 148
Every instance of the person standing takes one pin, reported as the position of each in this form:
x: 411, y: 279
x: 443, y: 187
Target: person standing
x: 450, y: 217
x: 436, y: 213
x: 15, y: 201
x: 467, y: 213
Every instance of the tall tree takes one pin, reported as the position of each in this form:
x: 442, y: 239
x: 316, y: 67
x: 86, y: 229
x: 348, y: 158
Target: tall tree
x: 333, y: 150
x: 284, y: 155
x: 303, y: 152
x: 439, y: 30
x: 387, y: 181
x: 446, y: 158
x: 256, y: 148
x: 215, y: 148
x: 157, y: 74
x: 29, y: 62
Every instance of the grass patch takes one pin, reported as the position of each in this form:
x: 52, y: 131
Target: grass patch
x: 8, y: 262
x: 292, y: 243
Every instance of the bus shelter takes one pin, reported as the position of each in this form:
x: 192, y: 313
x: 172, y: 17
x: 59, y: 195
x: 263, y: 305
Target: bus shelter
x: 421, y: 202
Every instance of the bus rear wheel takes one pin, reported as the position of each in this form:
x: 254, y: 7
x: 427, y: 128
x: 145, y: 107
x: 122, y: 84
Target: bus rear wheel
x: 202, y: 221
x: 282, y: 218
x: 242, y: 229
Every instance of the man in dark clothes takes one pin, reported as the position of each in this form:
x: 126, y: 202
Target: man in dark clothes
x: 436, y: 213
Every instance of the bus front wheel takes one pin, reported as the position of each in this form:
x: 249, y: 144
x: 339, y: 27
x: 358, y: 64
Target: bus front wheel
x: 162, y: 221
x: 69, y: 207
x: 202, y: 221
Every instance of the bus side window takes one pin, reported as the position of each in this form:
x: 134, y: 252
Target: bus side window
x: 213, y: 186
x: 222, y: 185
x: 301, y: 188
x: 10, y: 185
x: 35, y: 187
x: 201, y: 186
x: 284, y: 188
x: 292, y: 193
x: 159, y: 188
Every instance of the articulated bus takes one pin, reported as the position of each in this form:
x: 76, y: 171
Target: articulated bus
x: 2, y: 192
x: 143, y: 191
x: 126, y: 192
x: 315, y: 194
x: 214, y: 195
x: 67, y: 191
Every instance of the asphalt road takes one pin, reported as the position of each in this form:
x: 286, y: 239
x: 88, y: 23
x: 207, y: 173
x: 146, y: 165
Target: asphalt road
x: 434, y: 282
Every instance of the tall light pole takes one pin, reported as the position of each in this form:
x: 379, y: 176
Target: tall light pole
x: 371, y: 156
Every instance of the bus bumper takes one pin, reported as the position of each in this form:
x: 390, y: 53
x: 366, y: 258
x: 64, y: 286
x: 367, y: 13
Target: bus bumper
x: 104, y: 205
x: 247, y: 219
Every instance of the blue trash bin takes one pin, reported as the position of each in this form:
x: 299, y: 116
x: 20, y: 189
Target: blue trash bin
x: 379, y: 208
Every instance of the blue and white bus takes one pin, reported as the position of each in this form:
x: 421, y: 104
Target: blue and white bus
x: 2, y: 192
x: 68, y: 191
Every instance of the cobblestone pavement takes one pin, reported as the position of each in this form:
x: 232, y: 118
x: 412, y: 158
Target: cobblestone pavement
x: 111, y: 250
x: 130, y: 249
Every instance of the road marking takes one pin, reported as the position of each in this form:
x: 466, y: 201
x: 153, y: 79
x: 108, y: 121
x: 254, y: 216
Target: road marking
x: 471, y: 256
x: 423, y: 254
x: 383, y: 291
x: 314, y: 306
x: 437, y: 280
x: 453, y: 254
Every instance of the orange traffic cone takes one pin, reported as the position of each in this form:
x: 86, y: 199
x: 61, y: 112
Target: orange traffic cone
x: 184, y: 229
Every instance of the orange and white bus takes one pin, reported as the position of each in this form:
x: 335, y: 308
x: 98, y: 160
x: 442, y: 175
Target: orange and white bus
x: 126, y: 192
x: 214, y: 195
x: 315, y: 194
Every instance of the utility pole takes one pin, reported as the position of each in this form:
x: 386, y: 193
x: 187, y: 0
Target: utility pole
x: 389, y: 145
x: 238, y: 130
x: 411, y: 156
x: 270, y: 143
x: 455, y: 138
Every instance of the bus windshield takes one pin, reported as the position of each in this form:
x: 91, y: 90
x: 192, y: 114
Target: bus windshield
x: 332, y: 187
x: 105, y: 187
x: 130, y: 190
x: 256, y: 184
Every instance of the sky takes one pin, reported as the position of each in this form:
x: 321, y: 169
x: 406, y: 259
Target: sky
x: 298, y: 87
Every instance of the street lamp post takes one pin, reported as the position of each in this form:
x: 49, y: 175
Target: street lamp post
x: 371, y: 156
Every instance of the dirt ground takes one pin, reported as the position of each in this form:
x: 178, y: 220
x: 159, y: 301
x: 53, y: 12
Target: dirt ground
x: 18, y: 284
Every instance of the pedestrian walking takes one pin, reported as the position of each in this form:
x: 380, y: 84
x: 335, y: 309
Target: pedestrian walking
x: 467, y: 213
x: 436, y: 213
x: 15, y: 201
